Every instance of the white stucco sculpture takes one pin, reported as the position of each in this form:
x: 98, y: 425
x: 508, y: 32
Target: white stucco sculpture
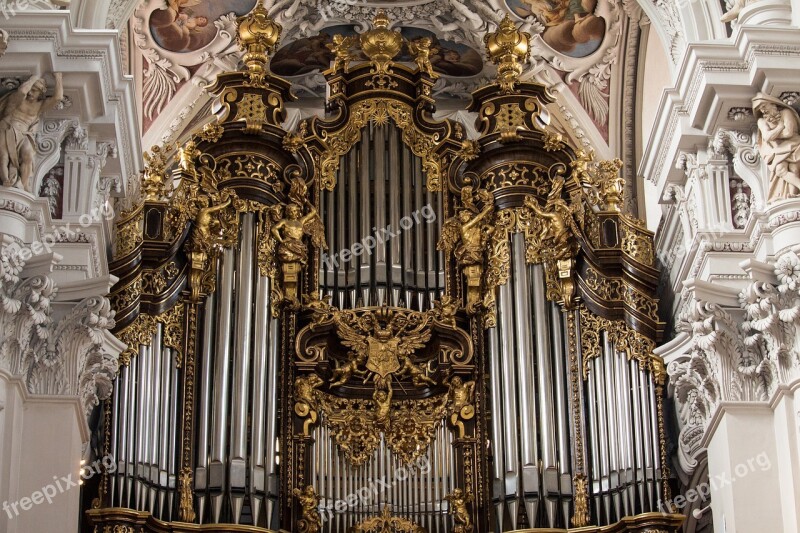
x: 20, y: 113
x: 779, y: 145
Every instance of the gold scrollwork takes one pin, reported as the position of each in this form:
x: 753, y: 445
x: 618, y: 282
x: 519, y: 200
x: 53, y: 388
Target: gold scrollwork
x: 379, y: 111
x: 129, y: 232
x: 632, y: 343
x: 516, y: 173
x: 638, y: 245
x: 356, y: 425
x: 386, y: 523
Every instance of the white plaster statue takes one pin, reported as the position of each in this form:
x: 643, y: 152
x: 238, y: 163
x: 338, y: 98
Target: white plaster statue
x: 735, y: 10
x: 20, y: 112
x: 779, y: 145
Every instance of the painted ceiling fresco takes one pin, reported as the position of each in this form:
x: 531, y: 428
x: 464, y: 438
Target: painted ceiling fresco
x: 311, y: 53
x: 570, y: 26
x: 184, y: 44
x: 188, y: 25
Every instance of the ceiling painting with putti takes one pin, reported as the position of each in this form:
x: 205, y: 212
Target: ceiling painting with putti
x: 577, y: 50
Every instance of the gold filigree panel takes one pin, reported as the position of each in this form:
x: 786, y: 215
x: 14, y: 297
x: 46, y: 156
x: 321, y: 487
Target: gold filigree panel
x: 379, y: 111
x: 357, y: 424
x: 633, y: 344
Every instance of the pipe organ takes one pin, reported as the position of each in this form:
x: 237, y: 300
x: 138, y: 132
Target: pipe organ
x: 374, y: 323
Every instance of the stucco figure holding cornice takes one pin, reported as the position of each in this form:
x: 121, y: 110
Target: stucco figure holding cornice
x: 20, y: 112
x: 779, y: 145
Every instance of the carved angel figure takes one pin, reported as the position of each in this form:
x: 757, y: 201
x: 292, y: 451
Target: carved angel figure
x: 340, y: 47
x: 20, y: 113
x: 458, y: 510
x: 207, y: 227
x: 558, y: 221
x: 466, y: 234
x: 461, y: 396
x: 779, y: 145
x: 289, y: 231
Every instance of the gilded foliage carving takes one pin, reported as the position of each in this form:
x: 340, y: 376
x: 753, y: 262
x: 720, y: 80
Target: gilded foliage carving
x: 386, y: 523
x: 633, y: 344
x: 379, y: 111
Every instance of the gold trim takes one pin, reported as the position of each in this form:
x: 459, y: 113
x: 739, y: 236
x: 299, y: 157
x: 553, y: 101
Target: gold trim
x: 379, y: 111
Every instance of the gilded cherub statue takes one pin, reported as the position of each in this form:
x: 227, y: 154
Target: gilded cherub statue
x: 460, y: 402
x: 340, y: 47
x: 467, y: 235
x: 421, y: 49
x: 20, y: 113
x: 310, y: 520
x: 458, y: 510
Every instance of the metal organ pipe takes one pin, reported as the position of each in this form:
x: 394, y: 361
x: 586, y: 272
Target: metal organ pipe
x: 242, y: 353
x: 221, y: 386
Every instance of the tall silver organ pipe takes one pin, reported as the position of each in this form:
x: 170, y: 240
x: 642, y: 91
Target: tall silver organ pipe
x: 237, y: 390
x: 382, y: 226
x: 416, y: 491
x: 530, y: 412
x: 622, y: 428
x: 237, y: 397
x: 145, y: 431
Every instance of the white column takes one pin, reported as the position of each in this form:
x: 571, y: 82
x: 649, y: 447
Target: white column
x: 753, y: 466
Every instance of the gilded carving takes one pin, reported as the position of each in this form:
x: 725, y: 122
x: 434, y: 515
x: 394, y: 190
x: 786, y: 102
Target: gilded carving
x: 288, y: 232
x: 467, y: 235
x: 460, y: 406
x: 379, y: 111
x: 509, y: 49
x: 580, y: 515
x: 156, y: 185
x: 305, y: 405
x: 186, y: 493
x: 421, y: 50
x: 459, y: 502
x: 632, y: 343
x: 341, y: 52
x: 310, y: 519
x: 386, y: 523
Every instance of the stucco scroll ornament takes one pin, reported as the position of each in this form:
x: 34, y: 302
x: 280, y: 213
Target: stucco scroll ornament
x: 20, y: 113
x: 779, y: 145
x: 167, y: 68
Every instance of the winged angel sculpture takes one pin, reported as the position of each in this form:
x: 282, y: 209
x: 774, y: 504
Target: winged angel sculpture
x: 467, y: 235
x: 281, y: 247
